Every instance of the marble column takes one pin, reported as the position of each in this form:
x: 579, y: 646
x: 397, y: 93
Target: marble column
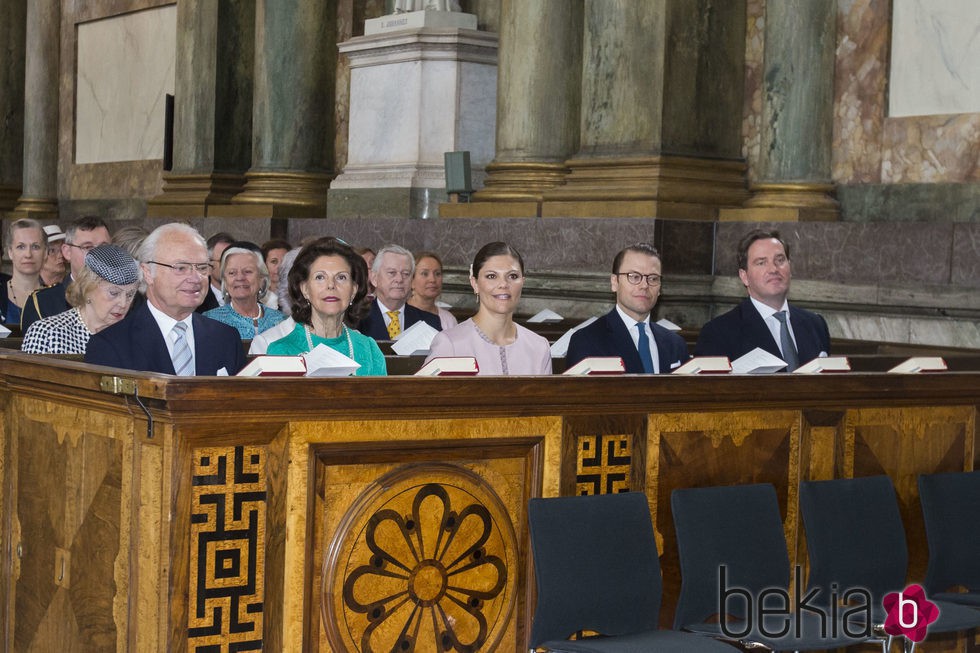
x: 538, y: 79
x: 13, y: 24
x: 660, y: 134
x: 40, y: 173
x: 292, y: 110
x: 794, y: 174
x: 212, y: 107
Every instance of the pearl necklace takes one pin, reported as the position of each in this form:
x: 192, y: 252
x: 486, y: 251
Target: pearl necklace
x: 346, y: 332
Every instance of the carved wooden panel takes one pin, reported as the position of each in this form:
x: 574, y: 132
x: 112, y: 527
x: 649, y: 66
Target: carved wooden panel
x: 704, y: 449
x: 422, y: 562
x: 227, y: 551
x: 428, y: 554
x: 68, y: 529
x: 906, y: 442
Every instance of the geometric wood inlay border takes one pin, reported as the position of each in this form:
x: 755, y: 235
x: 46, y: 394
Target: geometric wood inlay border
x: 602, y: 464
x: 228, y: 521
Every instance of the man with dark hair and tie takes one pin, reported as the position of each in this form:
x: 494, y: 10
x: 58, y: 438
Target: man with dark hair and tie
x: 391, y: 275
x: 626, y: 331
x: 765, y: 319
x: 82, y: 236
x: 165, y: 334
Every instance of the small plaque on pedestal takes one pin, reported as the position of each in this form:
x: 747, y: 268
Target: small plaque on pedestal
x: 419, y: 19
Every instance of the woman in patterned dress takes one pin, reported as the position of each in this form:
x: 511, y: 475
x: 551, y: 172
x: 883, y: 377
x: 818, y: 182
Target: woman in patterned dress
x: 101, y: 295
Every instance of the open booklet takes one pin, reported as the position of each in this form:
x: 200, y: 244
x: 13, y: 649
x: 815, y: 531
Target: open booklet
x: 825, y: 365
x: 450, y: 366
x: 705, y: 365
x: 546, y: 316
x: 415, y: 340
x: 919, y: 364
x: 757, y: 361
x: 322, y: 361
x: 560, y: 346
x: 597, y: 365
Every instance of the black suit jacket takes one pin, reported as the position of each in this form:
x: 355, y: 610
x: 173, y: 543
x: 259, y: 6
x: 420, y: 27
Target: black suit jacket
x: 608, y: 336
x: 374, y: 324
x: 45, y: 303
x: 210, y: 301
x: 136, y: 343
x: 742, y: 329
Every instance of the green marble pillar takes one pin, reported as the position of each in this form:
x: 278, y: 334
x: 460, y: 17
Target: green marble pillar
x: 13, y: 26
x: 292, y: 108
x: 212, y: 107
x: 662, y: 87
x: 538, y: 79
x: 794, y: 174
x: 40, y: 172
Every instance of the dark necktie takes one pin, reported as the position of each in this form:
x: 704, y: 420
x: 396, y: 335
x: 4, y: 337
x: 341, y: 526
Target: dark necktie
x: 643, y: 345
x: 786, y: 343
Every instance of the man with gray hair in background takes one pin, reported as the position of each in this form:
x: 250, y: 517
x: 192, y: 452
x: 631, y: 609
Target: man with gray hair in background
x: 391, y: 274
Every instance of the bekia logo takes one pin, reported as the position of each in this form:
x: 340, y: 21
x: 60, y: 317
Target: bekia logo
x: 909, y: 613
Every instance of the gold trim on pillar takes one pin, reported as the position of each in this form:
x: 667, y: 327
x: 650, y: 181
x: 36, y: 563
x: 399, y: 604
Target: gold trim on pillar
x: 511, y: 190
x: 787, y: 202
x: 38, y: 208
x: 190, y: 195
x: 651, y: 186
x: 8, y: 197
x: 279, y: 194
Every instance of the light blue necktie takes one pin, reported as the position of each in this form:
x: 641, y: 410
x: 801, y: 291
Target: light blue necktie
x: 182, y: 358
x: 643, y: 345
x: 786, y: 343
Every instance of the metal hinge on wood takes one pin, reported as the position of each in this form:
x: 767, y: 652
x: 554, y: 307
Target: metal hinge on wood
x: 118, y: 385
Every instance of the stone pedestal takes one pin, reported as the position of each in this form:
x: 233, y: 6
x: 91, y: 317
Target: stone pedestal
x: 415, y: 94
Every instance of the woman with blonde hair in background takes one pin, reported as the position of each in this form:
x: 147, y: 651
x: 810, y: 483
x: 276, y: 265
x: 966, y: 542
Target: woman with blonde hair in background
x: 26, y: 247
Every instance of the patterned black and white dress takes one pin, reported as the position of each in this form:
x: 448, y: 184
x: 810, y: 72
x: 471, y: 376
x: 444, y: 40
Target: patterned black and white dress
x: 64, y: 333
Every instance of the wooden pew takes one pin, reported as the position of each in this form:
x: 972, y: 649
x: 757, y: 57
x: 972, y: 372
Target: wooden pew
x: 150, y: 512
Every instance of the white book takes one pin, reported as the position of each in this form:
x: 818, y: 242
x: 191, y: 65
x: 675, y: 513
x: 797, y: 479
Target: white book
x: 274, y: 366
x: 919, y: 364
x: 757, y: 361
x: 416, y: 340
x: 4, y: 331
x: 444, y: 305
x: 667, y: 324
x: 705, y: 365
x: 560, y: 347
x: 546, y: 316
x: 825, y: 364
x: 450, y: 366
x: 594, y: 365
x: 324, y: 361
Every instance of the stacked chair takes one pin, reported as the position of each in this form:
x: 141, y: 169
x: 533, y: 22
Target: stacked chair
x: 597, y: 570
x: 951, y: 510
x: 739, y: 528
x: 855, y: 538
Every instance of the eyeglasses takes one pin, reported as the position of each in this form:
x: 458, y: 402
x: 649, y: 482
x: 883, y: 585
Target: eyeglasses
x: 84, y: 248
x: 635, y: 277
x: 183, y: 269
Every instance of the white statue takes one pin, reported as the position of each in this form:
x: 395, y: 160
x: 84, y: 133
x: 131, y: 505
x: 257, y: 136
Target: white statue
x: 403, y: 6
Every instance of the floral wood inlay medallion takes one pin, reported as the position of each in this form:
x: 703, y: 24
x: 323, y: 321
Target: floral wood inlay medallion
x: 424, y: 561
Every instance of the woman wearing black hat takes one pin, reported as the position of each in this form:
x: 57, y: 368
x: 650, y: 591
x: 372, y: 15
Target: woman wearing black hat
x: 101, y: 295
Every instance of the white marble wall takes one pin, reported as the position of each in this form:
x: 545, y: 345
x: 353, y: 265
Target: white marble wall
x: 125, y: 69
x: 935, y: 59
